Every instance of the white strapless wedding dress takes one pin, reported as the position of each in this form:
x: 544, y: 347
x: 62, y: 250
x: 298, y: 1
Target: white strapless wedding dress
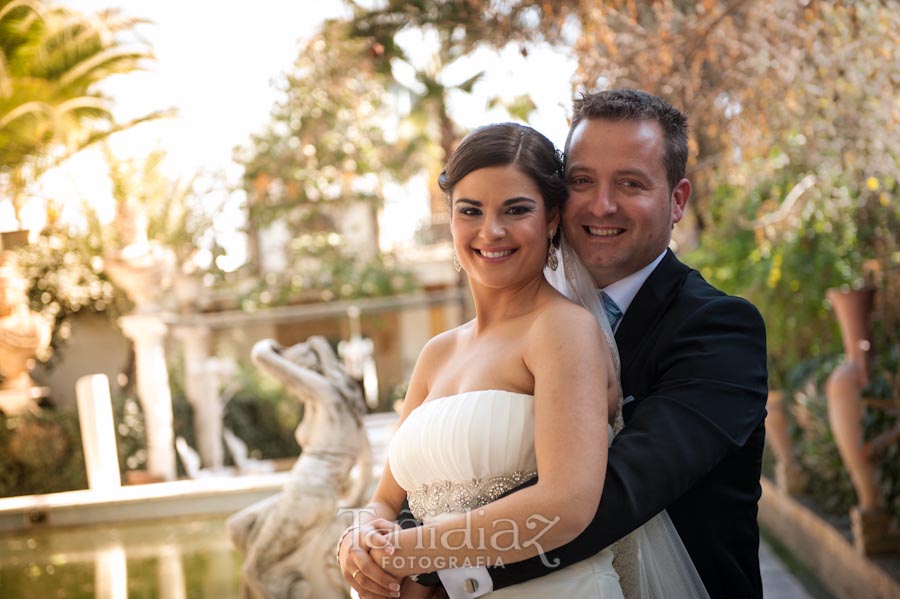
x: 460, y: 452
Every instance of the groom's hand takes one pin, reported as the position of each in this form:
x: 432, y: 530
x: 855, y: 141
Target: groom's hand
x: 414, y: 590
x: 359, y: 569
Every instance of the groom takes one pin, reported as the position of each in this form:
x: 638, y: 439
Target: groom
x: 693, y: 359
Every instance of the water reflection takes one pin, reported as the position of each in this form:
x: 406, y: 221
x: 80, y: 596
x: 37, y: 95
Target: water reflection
x: 173, y: 559
x: 111, y: 573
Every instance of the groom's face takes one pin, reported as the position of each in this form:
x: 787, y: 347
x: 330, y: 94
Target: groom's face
x: 620, y: 211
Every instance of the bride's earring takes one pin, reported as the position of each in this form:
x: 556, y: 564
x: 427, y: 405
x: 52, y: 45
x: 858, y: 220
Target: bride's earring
x: 552, y: 260
x: 456, y: 265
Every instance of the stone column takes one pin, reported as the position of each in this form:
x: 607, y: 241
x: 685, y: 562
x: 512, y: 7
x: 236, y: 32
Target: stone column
x: 202, y: 382
x: 147, y: 333
x: 358, y: 355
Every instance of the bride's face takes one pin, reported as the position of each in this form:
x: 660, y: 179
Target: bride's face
x: 500, y: 226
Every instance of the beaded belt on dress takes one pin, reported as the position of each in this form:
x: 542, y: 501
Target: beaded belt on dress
x: 450, y: 496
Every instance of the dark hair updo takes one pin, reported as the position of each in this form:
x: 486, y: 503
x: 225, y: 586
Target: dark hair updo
x: 504, y: 144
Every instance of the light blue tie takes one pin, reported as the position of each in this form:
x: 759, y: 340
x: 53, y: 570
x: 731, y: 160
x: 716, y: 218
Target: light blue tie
x: 613, y: 313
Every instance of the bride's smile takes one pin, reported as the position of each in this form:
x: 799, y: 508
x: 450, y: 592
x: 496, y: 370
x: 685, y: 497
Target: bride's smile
x: 494, y: 255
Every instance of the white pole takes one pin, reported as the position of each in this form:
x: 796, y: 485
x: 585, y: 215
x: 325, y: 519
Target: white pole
x: 98, y: 433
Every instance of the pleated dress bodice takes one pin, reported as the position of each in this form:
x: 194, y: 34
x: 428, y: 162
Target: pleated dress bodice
x: 462, y: 451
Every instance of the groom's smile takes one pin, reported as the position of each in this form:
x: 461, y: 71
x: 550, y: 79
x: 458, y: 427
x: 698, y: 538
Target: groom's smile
x: 604, y: 231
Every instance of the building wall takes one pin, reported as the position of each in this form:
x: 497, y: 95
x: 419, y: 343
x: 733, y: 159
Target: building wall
x: 96, y: 346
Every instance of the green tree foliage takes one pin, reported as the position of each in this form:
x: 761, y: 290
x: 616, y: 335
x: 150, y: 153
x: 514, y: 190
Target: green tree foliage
x: 815, y: 196
x: 179, y: 213
x: 64, y: 273
x: 330, y: 139
x: 52, y: 61
x: 448, y: 31
x: 333, y: 139
x: 360, y: 105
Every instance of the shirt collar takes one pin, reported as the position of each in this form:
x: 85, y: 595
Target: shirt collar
x: 624, y: 290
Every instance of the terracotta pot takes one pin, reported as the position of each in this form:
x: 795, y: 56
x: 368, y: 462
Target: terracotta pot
x: 853, y: 309
x: 788, y: 475
x: 870, y: 520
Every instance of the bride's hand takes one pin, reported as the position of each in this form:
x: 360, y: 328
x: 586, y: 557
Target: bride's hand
x: 383, y: 545
x: 359, y: 569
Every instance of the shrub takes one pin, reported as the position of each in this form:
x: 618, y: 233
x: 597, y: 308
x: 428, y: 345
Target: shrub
x: 41, y: 453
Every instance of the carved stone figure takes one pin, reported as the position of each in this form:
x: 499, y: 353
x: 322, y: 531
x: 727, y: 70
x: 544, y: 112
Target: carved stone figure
x: 288, y: 540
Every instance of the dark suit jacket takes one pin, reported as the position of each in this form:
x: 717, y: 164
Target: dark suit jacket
x: 694, y: 359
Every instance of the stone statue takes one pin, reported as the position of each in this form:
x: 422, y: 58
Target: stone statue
x: 23, y: 333
x: 288, y: 540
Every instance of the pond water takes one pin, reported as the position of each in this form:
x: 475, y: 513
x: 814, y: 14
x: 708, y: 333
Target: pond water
x: 171, y: 559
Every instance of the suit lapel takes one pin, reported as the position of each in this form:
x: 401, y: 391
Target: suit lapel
x: 646, y: 310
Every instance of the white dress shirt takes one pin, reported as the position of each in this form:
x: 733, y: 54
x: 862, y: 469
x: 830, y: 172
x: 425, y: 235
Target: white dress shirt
x: 624, y: 290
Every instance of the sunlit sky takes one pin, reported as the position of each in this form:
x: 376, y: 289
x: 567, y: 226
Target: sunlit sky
x: 216, y: 64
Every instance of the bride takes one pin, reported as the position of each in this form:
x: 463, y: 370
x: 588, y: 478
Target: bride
x: 528, y: 388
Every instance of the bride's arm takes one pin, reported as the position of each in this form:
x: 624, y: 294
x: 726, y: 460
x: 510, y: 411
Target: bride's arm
x: 378, y: 516
x: 389, y: 496
x: 565, y: 347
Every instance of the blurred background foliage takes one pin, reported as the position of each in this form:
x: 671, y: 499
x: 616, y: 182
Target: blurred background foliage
x: 328, y: 272
x: 40, y: 452
x: 794, y: 155
x: 52, y: 60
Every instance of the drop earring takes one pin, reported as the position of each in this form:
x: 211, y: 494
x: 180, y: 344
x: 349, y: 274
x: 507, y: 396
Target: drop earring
x: 456, y: 265
x: 552, y: 260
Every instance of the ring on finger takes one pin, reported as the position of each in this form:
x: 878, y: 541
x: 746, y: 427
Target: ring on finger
x: 355, y: 572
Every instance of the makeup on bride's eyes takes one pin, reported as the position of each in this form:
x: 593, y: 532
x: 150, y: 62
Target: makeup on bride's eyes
x: 467, y: 207
x: 520, y: 209
x: 518, y: 206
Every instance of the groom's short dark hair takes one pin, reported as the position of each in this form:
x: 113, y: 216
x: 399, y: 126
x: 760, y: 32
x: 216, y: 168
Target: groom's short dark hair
x: 636, y: 105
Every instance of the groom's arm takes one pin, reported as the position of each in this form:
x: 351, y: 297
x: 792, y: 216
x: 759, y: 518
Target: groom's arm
x: 708, y: 398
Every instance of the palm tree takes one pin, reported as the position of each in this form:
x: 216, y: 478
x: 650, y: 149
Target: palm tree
x: 456, y: 28
x: 52, y: 61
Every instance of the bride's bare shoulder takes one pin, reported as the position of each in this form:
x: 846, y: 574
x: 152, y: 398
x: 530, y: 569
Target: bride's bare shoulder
x: 563, y: 315
x: 562, y: 323
x: 448, y: 339
x: 430, y: 362
x: 440, y: 346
